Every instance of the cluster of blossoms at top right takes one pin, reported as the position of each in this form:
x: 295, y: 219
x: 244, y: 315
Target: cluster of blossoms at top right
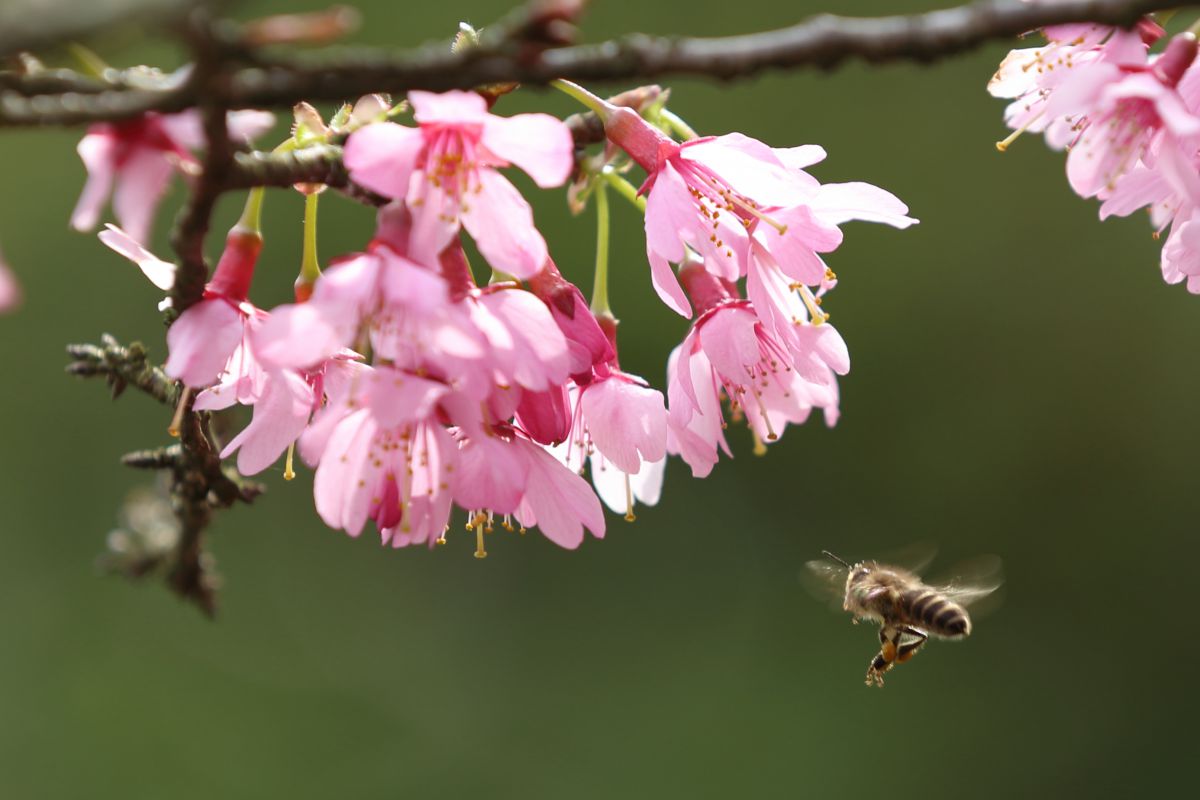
x: 1129, y: 119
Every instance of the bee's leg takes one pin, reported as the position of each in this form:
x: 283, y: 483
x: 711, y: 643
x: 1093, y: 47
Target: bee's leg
x: 906, y: 651
x: 883, y: 661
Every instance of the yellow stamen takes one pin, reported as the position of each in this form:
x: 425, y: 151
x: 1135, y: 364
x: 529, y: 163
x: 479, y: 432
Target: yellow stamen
x: 288, y: 472
x: 479, y: 551
x: 629, y: 515
x: 1004, y: 143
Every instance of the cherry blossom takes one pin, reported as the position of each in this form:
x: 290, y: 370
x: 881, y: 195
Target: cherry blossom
x: 445, y: 171
x: 133, y: 161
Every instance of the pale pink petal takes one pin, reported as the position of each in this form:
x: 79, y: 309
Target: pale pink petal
x: 751, y: 168
x: 246, y: 124
x: 670, y: 215
x: 1178, y: 169
x: 160, y: 273
x: 795, y: 250
x: 340, y: 490
x: 800, y: 157
x: 435, y: 218
x: 559, y: 500
x: 1142, y: 187
x: 10, y: 289
x: 201, y: 341
x: 540, y: 356
x: 537, y: 143
x: 729, y: 341
x: 836, y: 203
x: 398, y: 397
x: 666, y: 284
x: 501, y: 223
x: 615, y: 487
x: 280, y: 416
x: 491, y: 474
x: 627, y: 422
x: 97, y: 150
x: 140, y: 184
x: 453, y: 107
x: 382, y: 157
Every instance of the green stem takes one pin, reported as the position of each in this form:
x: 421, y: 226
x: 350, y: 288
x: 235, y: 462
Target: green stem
x: 678, y: 126
x: 625, y: 189
x: 251, y: 219
x: 600, y: 287
x: 310, y: 267
x: 582, y: 95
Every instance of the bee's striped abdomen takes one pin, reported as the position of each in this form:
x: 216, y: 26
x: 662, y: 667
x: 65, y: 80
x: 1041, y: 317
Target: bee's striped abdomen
x: 929, y: 610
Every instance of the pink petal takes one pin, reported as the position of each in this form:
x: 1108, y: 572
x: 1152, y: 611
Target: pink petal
x: 836, y: 203
x: 382, y: 157
x: 141, y: 182
x: 729, y: 341
x: 247, y: 124
x: 453, y: 107
x: 280, y: 416
x: 670, y: 216
x: 501, y: 223
x: 666, y: 284
x: 627, y: 422
x: 491, y: 474
x: 202, y: 340
x: 561, y: 501
x: 10, y: 289
x: 800, y: 157
x: 537, y: 143
x: 159, y: 272
x: 795, y: 250
x: 435, y: 219
x: 342, y: 498
x: 751, y: 168
x: 97, y: 150
x: 399, y: 397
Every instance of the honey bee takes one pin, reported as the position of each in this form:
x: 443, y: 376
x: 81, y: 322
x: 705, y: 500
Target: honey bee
x: 908, y: 610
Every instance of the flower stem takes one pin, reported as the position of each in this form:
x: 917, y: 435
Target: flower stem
x: 251, y: 219
x: 310, y: 267
x: 600, y: 287
x: 625, y: 189
x: 582, y: 95
x: 678, y: 126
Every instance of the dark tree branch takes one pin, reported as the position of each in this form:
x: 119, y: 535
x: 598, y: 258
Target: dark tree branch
x: 823, y: 41
x: 121, y: 367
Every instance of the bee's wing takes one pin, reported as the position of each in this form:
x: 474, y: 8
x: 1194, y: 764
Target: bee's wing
x: 915, y: 557
x: 825, y: 580
x: 969, y: 582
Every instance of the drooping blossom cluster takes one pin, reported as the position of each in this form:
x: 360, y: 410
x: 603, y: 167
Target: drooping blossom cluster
x: 1129, y: 119
x: 412, y: 387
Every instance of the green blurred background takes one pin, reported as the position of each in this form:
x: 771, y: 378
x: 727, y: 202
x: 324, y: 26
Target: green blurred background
x: 1024, y: 384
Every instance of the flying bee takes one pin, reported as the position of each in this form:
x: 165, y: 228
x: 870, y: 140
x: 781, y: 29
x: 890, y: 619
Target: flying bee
x: 908, y: 610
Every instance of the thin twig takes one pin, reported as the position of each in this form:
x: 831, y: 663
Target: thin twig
x: 823, y: 41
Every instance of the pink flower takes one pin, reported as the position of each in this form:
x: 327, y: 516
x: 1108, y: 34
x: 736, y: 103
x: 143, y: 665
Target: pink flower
x: 729, y: 351
x: 502, y: 472
x: 715, y: 195
x: 203, y: 340
x: 133, y: 161
x: 1125, y: 111
x: 445, y: 170
x: 210, y: 340
x: 377, y: 456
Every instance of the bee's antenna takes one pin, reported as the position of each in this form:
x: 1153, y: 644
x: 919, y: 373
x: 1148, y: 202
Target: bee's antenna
x: 835, y: 558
